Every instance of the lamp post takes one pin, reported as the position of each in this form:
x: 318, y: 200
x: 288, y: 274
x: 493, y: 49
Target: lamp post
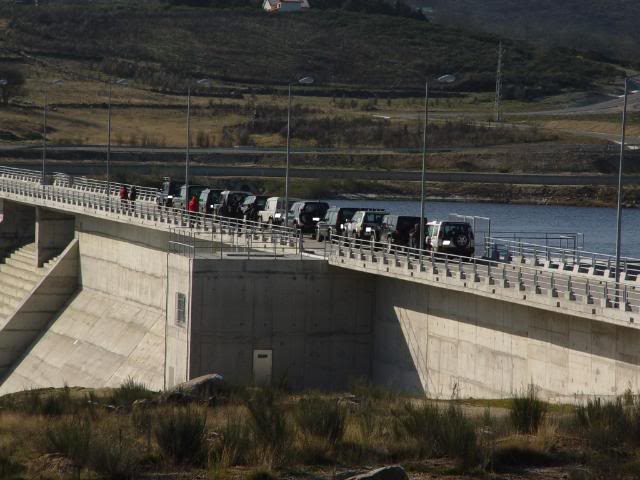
x: 123, y: 82
x: 307, y: 80
x: 207, y: 83
x: 627, y: 81
x: 44, y: 129
x: 442, y: 79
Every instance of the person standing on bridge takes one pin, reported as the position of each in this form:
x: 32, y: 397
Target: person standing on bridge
x: 133, y: 195
x: 194, y: 208
x: 123, y: 196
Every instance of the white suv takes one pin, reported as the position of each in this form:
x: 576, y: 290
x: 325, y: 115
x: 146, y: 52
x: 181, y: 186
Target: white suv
x: 274, y: 211
x: 451, y: 237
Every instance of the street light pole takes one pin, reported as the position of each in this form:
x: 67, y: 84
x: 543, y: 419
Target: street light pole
x: 442, y: 79
x: 109, y: 144
x: 44, y: 129
x: 186, y: 163
x: 424, y: 162
x: 286, y: 170
x: 627, y: 81
x: 308, y: 80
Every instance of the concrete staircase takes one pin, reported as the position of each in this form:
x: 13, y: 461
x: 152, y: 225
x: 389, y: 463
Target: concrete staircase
x: 18, y: 277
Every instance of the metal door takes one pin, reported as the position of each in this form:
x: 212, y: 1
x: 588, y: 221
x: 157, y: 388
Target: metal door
x: 262, y: 364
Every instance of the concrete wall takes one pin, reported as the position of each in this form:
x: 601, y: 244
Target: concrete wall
x: 17, y: 226
x: 429, y: 340
x: 35, y: 313
x: 54, y: 231
x: 177, y: 334
x: 308, y: 313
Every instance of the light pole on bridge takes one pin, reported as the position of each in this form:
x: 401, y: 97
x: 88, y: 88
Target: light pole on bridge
x: 307, y: 80
x: 44, y: 129
x: 441, y: 79
x: 122, y: 82
x: 207, y: 83
x: 627, y: 81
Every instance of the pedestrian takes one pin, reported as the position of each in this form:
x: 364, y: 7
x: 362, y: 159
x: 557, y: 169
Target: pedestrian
x: 124, y: 195
x: 133, y: 194
x: 193, y: 208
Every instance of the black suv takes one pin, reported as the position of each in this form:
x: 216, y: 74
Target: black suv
x: 252, y: 205
x: 169, y: 190
x: 334, y: 222
x: 306, y: 215
x: 209, y: 199
x: 401, y: 230
x: 230, y: 202
x: 182, y: 199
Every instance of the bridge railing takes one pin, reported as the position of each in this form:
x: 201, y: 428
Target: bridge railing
x: 244, y: 241
x: 24, y: 184
x: 146, y: 194
x: 579, y: 288
x: 21, y: 174
x: 578, y: 260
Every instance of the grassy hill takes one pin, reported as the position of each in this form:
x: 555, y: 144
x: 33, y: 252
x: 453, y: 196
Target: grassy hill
x: 163, y: 45
x: 605, y: 27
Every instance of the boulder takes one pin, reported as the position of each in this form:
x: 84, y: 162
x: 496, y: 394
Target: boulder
x: 203, y: 387
x: 395, y: 472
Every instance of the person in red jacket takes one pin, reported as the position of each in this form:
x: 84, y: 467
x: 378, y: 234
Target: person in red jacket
x: 193, y: 208
x: 124, y: 195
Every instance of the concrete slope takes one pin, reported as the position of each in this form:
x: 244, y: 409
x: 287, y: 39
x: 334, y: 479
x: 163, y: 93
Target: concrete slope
x: 34, y: 313
x: 97, y: 341
x: 18, y: 277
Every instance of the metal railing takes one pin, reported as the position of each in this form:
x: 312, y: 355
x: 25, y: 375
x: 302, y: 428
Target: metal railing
x: 577, y: 260
x: 145, y: 194
x: 26, y: 184
x: 540, y: 281
x: 242, y: 241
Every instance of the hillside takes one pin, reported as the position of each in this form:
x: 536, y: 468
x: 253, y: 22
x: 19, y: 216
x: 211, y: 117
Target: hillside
x: 604, y: 27
x: 162, y: 46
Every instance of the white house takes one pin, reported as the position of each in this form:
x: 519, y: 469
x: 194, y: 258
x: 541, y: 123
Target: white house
x: 284, y: 5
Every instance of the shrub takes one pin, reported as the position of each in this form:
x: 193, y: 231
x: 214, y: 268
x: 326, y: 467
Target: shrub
x: 269, y: 425
x: 528, y: 411
x: 70, y: 437
x: 322, y: 418
x: 129, y: 392
x: 605, y: 423
x: 9, y: 466
x: 114, y: 454
x: 235, y: 443
x: 180, y: 434
x: 439, y: 432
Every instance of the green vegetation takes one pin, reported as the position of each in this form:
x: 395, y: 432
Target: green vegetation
x: 600, y: 28
x: 263, y: 433
x: 166, y: 46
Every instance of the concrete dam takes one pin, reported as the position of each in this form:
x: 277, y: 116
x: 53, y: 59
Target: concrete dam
x: 94, y: 291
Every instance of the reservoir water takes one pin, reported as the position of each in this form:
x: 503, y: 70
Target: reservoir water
x: 597, y: 224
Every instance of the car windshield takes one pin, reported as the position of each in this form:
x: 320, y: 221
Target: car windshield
x: 214, y: 197
x: 195, y: 190
x: 454, y: 229
x: 236, y: 198
x: 347, y: 214
x: 407, y: 223
x: 318, y: 208
x: 374, y: 217
x: 261, y: 202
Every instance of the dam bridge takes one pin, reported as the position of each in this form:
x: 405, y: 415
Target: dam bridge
x: 95, y: 290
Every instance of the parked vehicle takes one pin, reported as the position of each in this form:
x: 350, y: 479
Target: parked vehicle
x: 230, y: 202
x: 400, y: 230
x: 451, y: 237
x: 252, y: 206
x: 274, y: 212
x: 334, y: 222
x: 168, y: 191
x: 182, y: 199
x: 366, y: 224
x: 209, y: 199
x: 305, y: 215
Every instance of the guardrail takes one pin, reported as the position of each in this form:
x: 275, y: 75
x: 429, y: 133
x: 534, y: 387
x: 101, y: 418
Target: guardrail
x: 540, y: 281
x: 244, y: 241
x: 577, y: 260
x: 145, y: 194
x: 25, y: 183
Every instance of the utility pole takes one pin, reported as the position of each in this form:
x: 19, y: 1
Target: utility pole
x: 498, y: 106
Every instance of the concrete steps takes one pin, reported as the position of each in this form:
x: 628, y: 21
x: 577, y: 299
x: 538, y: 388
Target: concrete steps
x: 18, y: 277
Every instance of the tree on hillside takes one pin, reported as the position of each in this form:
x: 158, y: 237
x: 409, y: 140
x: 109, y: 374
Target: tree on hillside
x: 14, y: 86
